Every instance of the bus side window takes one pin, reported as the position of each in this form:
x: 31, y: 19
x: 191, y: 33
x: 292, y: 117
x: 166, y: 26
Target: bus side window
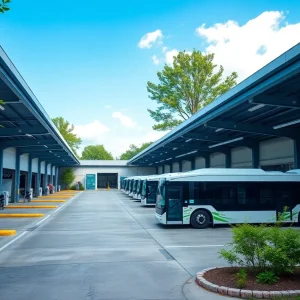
x: 225, y: 195
x: 266, y: 196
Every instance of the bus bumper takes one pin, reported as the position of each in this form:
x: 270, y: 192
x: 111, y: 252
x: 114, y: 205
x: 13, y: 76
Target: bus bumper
x: 161, y: 218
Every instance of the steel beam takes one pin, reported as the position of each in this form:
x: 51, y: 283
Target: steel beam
x: 297, y: 153
x: 25, y: 143
x: 17, y: 177
x: 29, y: 179
x: 251, y: 128
x: 1, y: 169
x: 255, y: 156
x: 38, y: 181
x: 277, y: 100
x: 22, y: 131
x: 53, y: 148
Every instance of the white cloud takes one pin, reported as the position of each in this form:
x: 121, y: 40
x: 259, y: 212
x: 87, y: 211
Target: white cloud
x: 164, y: 49
x: 170, y: 56
x: 150, y: 38
x: 155, y: 60
x: 247, y: 48
x: 125, y: 120
x: 107, y: 106
x: 92, y: 132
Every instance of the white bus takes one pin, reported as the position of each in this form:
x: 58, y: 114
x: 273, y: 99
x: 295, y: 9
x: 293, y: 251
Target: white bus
x: 137, y: 187
x: 149, y: 188
x: 206, y: 197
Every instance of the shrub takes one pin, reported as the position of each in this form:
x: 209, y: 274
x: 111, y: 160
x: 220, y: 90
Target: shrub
x: 241, y: 278
x: 267, y: 277
x: 264, y: 248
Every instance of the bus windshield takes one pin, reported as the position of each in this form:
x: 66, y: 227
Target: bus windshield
x: 160, y: 197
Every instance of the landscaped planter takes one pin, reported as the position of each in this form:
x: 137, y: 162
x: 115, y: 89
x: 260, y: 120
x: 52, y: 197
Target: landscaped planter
x: 222, y: 281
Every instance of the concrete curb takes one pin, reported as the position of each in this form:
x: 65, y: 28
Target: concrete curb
x: 240, y: 293
x: 7, y: 232
x: 21, y: 215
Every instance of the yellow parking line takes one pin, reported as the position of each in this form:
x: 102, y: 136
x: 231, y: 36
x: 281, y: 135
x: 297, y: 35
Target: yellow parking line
x: 48, y: 200
x: 21, y: 215
x: 7, y: 232
x: 30, y: 206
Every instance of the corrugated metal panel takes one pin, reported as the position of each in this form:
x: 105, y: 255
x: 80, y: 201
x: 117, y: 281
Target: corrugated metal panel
x: 160, y: 170
x: 167, y: 169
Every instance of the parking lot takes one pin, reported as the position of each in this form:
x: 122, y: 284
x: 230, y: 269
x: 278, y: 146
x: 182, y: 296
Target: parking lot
x: 104, y: 245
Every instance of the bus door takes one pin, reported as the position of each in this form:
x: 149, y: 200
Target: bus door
x: 284, y: 199
x: 151, y: 197
x: 174, y: 205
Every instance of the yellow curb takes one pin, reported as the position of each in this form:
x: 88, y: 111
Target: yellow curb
x: 31, y: 206
x: 21, y: 215
x: 7, y: 232
x: 48, y: 200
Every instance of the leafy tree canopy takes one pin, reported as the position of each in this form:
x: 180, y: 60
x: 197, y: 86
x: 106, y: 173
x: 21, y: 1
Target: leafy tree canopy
x: 134, y: 150
x: 189, y: 84
x: 67, y: 177
x: 4, y: 6
x: 66, y: 130
x: 96, y: 152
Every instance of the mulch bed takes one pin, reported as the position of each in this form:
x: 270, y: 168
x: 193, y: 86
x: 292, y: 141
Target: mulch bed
x: 226, y: 277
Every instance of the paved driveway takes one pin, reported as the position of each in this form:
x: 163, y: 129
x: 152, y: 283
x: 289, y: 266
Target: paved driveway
x: 103, y: 245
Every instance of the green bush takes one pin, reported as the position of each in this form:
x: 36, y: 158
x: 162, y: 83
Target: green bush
x: 67, y: 177
x: 241, y: 278
x: 264, y: 248
x: 267, y: 277
x: 81, y: 187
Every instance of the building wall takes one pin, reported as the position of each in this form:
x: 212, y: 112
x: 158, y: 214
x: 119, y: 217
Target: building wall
x: 35, y: 165
x: 167, y: 169
x: 80, y: 172
x: 241, y: 158
x: 24, y: 162
x: 276, y: 152
x: 160, y: 170
x: 9, y: 158
x: 217, y: 160
x: 200, y: 163
x: 186, y: 166
x: 43, y: 167
x: 175, y: 167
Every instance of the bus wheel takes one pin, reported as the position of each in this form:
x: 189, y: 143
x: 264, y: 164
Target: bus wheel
x: 200, y: 219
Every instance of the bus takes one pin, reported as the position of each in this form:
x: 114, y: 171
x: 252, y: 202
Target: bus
x: 206, y: 197
x: 149, y: 188
x: 138, y: 190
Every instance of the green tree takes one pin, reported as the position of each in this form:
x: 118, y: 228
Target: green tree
x: 189, y: 84
x: 66, y: 130
x: 134, y: 150
x: 67, y: 177
x: 96, y: 152
x: 4, y: 6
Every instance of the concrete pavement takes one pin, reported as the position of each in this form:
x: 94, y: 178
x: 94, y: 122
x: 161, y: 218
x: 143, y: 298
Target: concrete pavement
x: 103, y: 245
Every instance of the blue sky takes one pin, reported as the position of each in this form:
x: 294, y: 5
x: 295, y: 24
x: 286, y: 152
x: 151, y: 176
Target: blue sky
x: 83, y: 60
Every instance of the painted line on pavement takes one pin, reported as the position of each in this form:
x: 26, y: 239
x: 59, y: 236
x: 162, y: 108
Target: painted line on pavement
x: 199, y: 246
x: 25, y: 232
x: 12, y: 241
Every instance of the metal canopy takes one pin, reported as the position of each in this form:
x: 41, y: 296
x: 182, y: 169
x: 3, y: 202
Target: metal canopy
x: 24, y: 124
x: 264, y: 106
